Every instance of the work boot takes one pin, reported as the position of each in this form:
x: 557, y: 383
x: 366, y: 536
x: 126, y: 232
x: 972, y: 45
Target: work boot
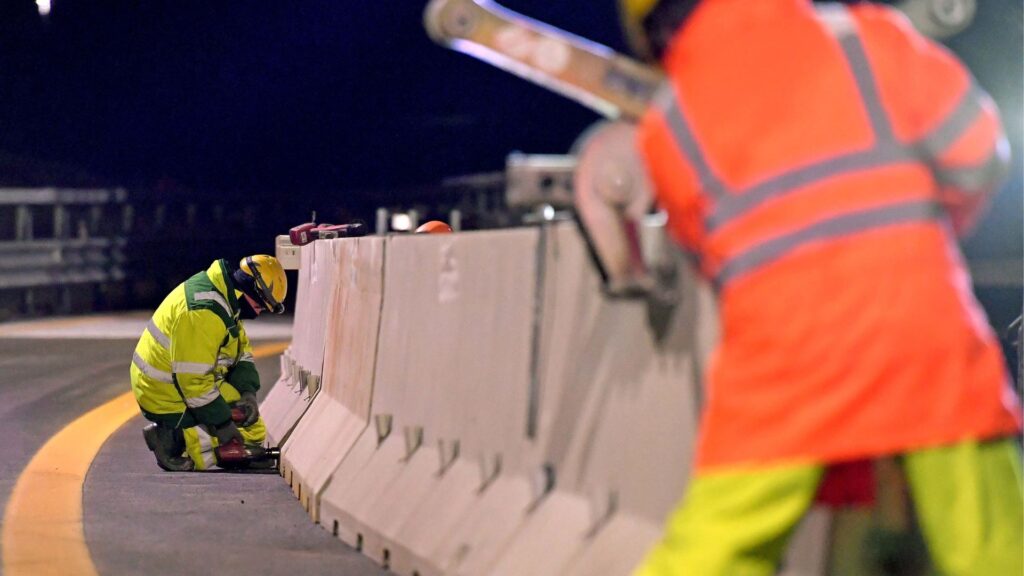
x: 167, y: 446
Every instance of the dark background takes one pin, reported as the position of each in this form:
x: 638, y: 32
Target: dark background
x: 272, y: 109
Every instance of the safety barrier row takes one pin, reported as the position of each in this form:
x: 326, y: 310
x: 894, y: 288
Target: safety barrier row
x: 486, y: 410
x: 302, y: 364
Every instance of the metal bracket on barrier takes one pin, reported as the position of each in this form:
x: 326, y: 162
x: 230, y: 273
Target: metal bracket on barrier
x: 284, y: 360
x: 490, y: 469
x: 293, y: 373
x: 383, y: 423
x: 413, y: 440
x: 303, y: 380
x: 312, y: 384
x: 602, y: 509
x: 449, y: 452
x: 542, y: 482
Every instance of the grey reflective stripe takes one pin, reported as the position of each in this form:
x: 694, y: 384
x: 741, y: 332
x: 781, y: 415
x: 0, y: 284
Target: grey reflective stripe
x: 667, y: 100
x: 977, y: 179
x: 150, y: 371
x: 158, y: 335
x: 203, y: 400
x: 206, y: 448
x: 192, y: 368
x: 861, y: 68
x: 216, y: 297
x: 225, y: 361
x: 205, y: 440
x: 955, y: 124
x: 842, y: 25
x: 885, y: 152
x: 247, y: 357
x: 737, y: 205
x: 829, y: 229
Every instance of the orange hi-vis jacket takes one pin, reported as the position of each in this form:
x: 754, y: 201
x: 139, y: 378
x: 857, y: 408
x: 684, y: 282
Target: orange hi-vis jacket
x: 818, y: 164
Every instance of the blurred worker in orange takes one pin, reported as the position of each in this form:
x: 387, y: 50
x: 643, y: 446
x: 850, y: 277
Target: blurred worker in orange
x: 820, y: 164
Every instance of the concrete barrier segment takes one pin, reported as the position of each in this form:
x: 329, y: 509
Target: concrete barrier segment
x: 451, y: 375
x: 309, y: 331
x: 546, y: 538
x: 484, y: 532
x: 279, y: 399
x: 616, y: 549
x: 337, y: 416
x: 449, y: 501
x: 618, y: 399
x: 520, y: 421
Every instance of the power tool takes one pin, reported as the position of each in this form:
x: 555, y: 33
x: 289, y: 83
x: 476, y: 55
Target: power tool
x: 238, y: 456
x: 305, y: 233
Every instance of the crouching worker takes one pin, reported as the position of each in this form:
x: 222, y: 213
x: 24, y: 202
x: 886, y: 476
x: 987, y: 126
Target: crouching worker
x: 193, y: 364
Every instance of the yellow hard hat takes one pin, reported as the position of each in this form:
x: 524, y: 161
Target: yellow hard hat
x: 269, y: 280
x: 633, y: 13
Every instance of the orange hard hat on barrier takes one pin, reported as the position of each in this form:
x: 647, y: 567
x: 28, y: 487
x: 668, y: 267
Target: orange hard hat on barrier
x: 434, y: 227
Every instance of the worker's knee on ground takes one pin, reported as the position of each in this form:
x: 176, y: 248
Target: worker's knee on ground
x: 199, y: 444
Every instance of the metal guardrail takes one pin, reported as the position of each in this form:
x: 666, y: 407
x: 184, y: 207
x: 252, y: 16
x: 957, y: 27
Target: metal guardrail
x: 83, y: 244
x: 27, y: 264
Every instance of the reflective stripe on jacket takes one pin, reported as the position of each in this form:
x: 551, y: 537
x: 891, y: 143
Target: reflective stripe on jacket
x: 813, y: 162
x: 192, y: 345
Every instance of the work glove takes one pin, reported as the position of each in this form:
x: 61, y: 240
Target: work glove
x: 251, y: 407
x: 227, y: 432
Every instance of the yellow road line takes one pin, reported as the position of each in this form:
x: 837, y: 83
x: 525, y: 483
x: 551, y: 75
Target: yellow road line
x: 42, y: 528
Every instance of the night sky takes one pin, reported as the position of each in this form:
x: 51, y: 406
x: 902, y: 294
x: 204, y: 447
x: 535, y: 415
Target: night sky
x: 313, y: 99
x: 267, y: 96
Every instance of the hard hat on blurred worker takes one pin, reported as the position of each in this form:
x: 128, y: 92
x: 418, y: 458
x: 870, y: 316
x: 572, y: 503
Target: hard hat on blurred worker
x: 262, y: 278
x: 650, y: 24
x: 434, y: 227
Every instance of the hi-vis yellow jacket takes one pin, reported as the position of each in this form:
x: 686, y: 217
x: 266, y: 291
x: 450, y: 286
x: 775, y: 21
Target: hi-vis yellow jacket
x: 192, y: 345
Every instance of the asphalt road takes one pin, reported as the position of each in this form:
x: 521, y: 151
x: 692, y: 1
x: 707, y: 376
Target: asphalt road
x: 138, y: 519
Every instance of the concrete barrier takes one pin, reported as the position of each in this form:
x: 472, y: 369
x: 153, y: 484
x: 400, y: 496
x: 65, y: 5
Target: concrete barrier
x: 609, y: 384
x: 452, y: 372
x: 340, y: 412
x: 284, y: 405
x: 520, y: 422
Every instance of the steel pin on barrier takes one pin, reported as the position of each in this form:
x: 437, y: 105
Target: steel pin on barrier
x: 383, y: 423
x: 413, y: 440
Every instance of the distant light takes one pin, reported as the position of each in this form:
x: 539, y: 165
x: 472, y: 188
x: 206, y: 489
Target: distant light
x: 401, y: 222
x: 44, y: 7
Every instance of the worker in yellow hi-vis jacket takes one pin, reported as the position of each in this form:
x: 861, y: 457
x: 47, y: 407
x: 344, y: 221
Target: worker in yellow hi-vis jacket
x: 194, y: 363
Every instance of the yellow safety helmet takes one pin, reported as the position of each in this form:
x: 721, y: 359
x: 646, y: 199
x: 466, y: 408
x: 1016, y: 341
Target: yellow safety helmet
x: 269, y: 282
x: 651, y: 24
x: 633, y: 13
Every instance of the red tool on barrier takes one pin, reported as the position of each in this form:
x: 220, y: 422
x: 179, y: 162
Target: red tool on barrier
x: 305, y: 233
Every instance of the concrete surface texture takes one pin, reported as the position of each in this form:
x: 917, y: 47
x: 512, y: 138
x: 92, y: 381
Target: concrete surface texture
x: 138, y: 519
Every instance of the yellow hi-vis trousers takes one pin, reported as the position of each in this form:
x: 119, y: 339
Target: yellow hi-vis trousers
x: 199, y: 444
x: 968, y: 499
